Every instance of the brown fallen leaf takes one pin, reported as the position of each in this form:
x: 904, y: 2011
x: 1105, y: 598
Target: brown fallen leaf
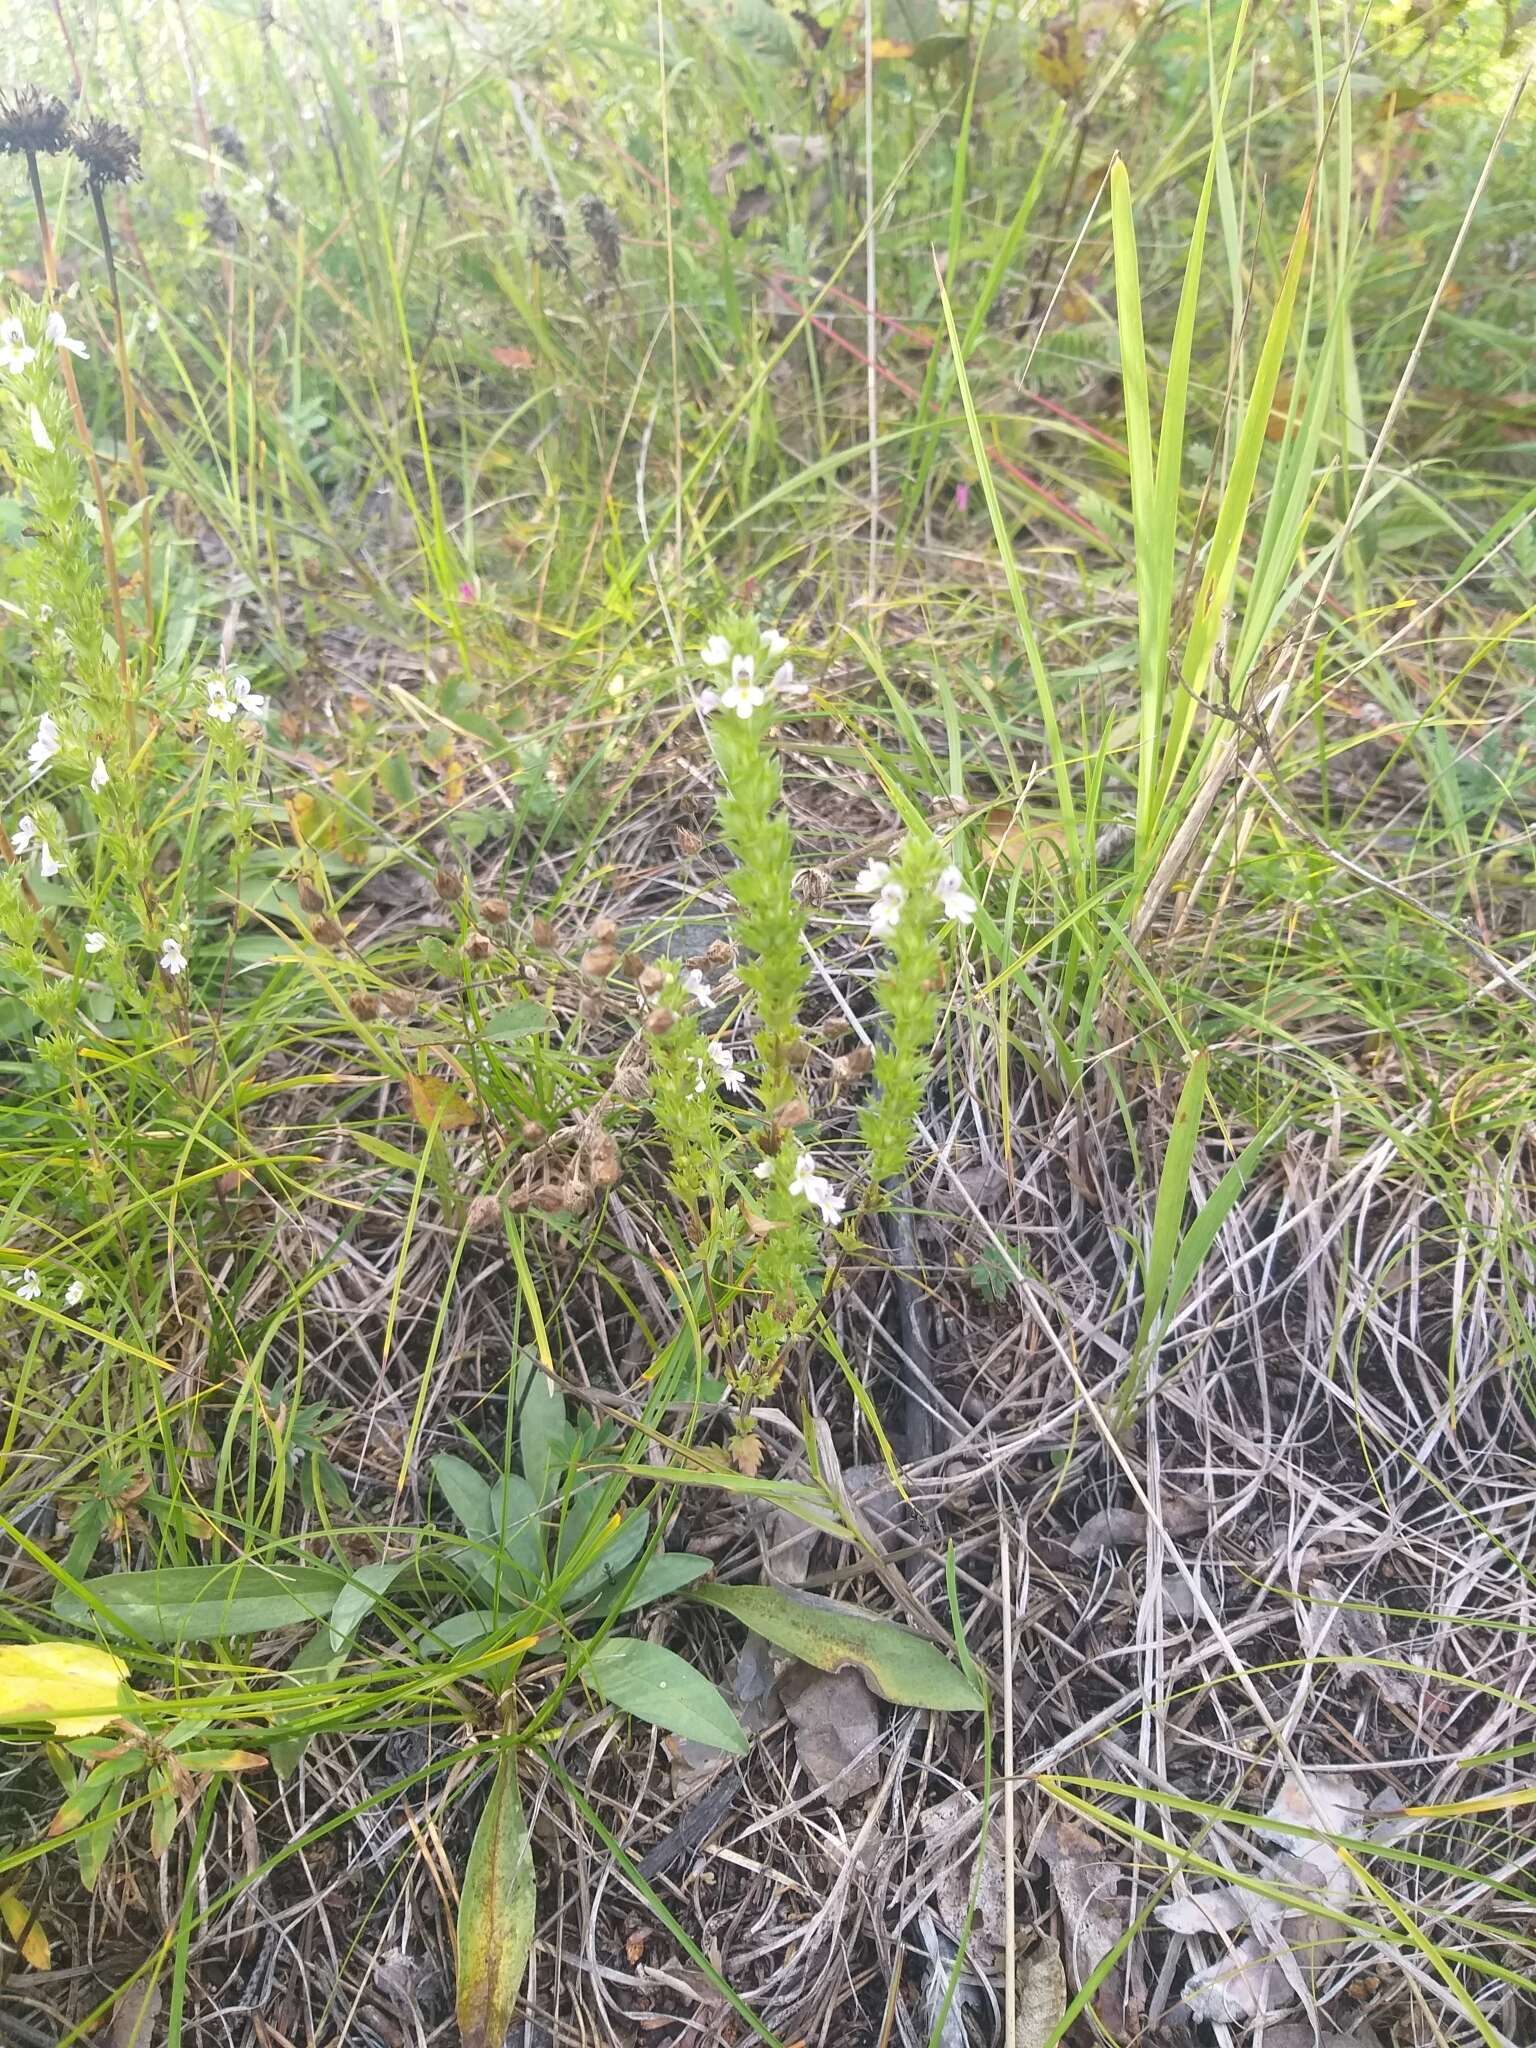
x: 1042, y: 1995
x: 437, y: 1101
x: 513, y: 358
x: 837, y: 1730
x: 750, y: 205
x: 1093, y: 1916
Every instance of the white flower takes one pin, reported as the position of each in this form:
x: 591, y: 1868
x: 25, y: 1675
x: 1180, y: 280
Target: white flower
x: 45, y: 746
x: 716, y: 652
x: 231, y: 697
x: 743, y: 698
x: 24, y: 835
x: 47, y: 866
x: 55, y: 331
x: 885, y: 912
x: 74, y: 1294
x: 28, y: 1287
x: 99, y: 776
x: 732, y: 1079
x: 784, y: 681
x: 709, y: 702
x: 95, y: 942
x: 774, y: 641
x: 15, y: 355
x: 616, y: 686
x: 763, y: 1170
x: 693, y: 984
x: 957, y: 900
x: 872, y: 877
x: 816, y: 1189
x: 743, y: 668
x: 172, y: 959
x: 41, y: 438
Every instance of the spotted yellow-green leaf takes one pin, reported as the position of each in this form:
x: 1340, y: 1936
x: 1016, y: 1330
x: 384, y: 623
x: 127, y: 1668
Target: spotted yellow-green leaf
x: 900, y: 1666
x: 497, y: 1904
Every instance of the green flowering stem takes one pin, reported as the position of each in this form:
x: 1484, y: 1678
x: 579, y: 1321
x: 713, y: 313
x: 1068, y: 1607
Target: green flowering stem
x: 907, y: 918
x: 772, y: 924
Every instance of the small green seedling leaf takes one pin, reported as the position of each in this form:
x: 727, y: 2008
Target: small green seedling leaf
x: 497, y: 1904
x: 900, y: 1666
x: 654, y: 1685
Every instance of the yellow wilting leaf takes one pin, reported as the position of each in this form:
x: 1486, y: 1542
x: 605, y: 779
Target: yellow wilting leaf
x: 73, y: 1687
x: 884, y: 51
x: 24, y: 1930
x: 436, y: 1101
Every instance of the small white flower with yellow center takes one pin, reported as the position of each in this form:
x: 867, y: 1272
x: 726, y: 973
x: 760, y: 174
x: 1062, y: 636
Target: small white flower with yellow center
x: 47, y: 865
x: 885, y: 911
x: 15, y: 354
x: 25, y: 836
x: 99, y: 776
x: 45, y: 746
x: 872, y: 877
x: 95, y: 942
x: 743, y: 696
x: 716, y: 651
x: 774, y: 641
x: 813, y: 1187
x: 732, y: 1079
x: 693, y: 984
x: 74, y: 1294
x: 29, y: 1287
x: 41, y: 438
x: 172, y: 959
x: 743, y: 668
x: 54, y: 330
x: 957, y: 900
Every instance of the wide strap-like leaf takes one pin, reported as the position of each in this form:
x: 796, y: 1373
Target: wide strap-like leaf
x: 199, y: 1603
x: 497, y: 1905
x: 900, y: 1666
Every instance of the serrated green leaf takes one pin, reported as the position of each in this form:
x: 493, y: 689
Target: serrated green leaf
x: 900, y: 1666
x: 657, y: 1686
x: 497, y: 1903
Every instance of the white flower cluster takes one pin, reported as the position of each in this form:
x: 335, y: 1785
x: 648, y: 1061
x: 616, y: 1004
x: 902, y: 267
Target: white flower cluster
x: 808, y: 1185
x: 231, y: 697
x: 26, y: 841
x: 45, y: 746
x: 732, y: 1079
x: 17, y: 353
x: 874, y: 879
x: 744, y: 694
x: 30, y: 1288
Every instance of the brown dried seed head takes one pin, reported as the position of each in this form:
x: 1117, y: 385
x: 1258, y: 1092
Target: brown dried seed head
x: 660, y: 1022
x: 399, y: 1002
x: 651, y: 980
x: 797, y: 1054
x: 689, y: 844
x: 483, y: 1216
x: 364, y: 1006
x: 327, y: 931
x: 603, y: 931
x: 789, y: 1114
x: 495, y: 909
x: 311, y: 898
x: 811, y: 886
x: 33, y: 123
x: 477, y: 946
x: 603, y: 1162
x: 719, y: 953
x: 542, y: 932
x: 633, y: 964
x: 599, y: 961
x: 852, y: 1065
x: 109, y: 152
x: 592, y: 1007
x: 448, y: 881
x: 531, y: 1131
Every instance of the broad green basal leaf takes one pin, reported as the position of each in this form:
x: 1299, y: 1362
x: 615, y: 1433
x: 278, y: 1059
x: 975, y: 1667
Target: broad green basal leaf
x: 651, y: 1683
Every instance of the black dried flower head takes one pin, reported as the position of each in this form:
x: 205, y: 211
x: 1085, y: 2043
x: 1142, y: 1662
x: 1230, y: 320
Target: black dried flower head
x: 219, y: 219
x: 546, y: 221
x: 33, y: 123
x: 603, y: 231
x: 226, y: 141
x: 109, y: 152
